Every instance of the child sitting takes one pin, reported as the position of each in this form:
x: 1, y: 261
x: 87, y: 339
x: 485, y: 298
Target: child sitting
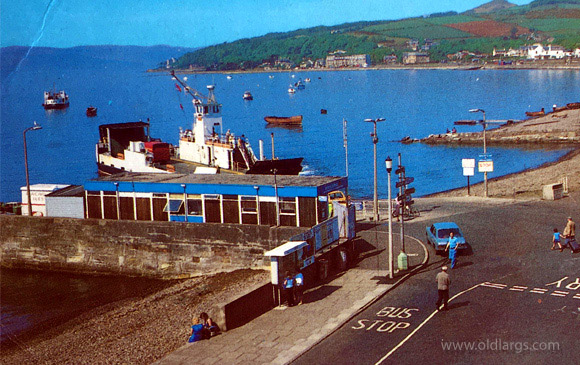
x: 196, y: 330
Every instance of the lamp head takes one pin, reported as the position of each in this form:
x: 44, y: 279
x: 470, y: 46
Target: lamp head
x: 476, y: 110
x: 380, y: 119
x: 183, y: 186
x: 389, y: 164
x: 369, y: 120
x: 36, y: 126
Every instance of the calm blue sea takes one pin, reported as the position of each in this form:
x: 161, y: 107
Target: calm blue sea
x: 414, y: 103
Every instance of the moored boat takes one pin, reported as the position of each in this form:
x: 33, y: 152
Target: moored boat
x: 294, y: 120
x: 248, y: 96
x: 299, y: 85
x: 536, y: 114
x: 291, y: 90
x: 91, y: 111
x: 55, y: 100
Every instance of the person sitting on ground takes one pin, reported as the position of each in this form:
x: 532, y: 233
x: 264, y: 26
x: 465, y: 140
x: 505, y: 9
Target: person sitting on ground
x: 196, y: 331
x: 210, y: 328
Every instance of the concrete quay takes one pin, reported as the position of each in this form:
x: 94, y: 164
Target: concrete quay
x: 284, y: 333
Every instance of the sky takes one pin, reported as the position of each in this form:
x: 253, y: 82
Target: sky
x: 191, y: 23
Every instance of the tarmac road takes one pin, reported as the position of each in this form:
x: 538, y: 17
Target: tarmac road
x: 516, y: 301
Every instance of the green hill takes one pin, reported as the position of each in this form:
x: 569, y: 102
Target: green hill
x: 498, y: 24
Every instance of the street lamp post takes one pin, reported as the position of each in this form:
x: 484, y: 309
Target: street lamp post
x: 484, y: 147
x: 33, y: 128
x: 389, y: 166
x: 375, y: 141
x: 117, y: 199
x: 274, y: 171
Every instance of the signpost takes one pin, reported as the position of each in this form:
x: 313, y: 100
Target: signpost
x: 405, y: 200
x: 468, y: 165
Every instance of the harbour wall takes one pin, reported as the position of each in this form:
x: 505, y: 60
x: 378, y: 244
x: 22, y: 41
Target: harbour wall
x: 166, y: 250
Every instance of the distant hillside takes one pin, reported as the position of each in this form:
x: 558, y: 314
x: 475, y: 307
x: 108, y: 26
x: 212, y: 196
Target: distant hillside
x: 109, y: 56
x: 493, y: 6
x: 496, y: 24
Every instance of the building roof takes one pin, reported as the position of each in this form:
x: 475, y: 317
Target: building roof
x: 71, y: 190
x: 224, y: 179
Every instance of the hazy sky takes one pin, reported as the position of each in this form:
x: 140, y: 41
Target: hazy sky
x: 191, y: 23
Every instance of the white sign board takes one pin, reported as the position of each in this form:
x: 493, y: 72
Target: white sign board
x: 468, y: 171
x: 467, y: 162
x: 485, y: 166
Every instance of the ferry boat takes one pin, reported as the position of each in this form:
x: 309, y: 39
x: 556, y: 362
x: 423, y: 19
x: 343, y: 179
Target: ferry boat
x: 55, y: 100
x: 202, y: 149
x: 206, y: 144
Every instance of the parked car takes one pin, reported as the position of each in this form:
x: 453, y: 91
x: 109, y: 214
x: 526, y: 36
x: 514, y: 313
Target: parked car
x: 438, y: 236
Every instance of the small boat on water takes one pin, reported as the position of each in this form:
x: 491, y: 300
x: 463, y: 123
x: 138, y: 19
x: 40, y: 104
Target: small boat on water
x: 228, y: 77
x: 291, y: 90
x: 323, y: 111
x: 536, y: 114
x: 91, y: 111
x: 299, y: 85
x: 294, y: 120
x: 55, y: 100
x: 248, y: 96
x: 307, y: 79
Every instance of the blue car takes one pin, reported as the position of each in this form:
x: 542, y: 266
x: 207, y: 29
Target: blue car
x: 438, y: 236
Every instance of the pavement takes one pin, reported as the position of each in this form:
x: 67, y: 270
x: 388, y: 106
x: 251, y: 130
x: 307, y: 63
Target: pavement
x: 284, y: 333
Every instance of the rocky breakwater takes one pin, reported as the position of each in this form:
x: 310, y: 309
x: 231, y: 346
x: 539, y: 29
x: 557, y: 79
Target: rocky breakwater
x: 561, y: 127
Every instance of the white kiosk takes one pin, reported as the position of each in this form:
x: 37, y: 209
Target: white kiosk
x: 288, y: 257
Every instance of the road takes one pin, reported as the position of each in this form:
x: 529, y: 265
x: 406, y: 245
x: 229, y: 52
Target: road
x: 514, y: 300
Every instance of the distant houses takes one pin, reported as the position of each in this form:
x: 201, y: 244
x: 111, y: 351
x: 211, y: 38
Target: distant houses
x: 340, y: 60
x: 415, y: 57
x: 537, y: 51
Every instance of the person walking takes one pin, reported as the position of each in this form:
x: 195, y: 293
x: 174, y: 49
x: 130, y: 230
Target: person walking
x: 556, y: 240
x: 289, y: 289
x: 298, y: 287
x: 570, y: 231
x: 452, y: 247
x: 443, y: 282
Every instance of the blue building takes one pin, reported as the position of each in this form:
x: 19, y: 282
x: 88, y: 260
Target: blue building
x: 300, y: 201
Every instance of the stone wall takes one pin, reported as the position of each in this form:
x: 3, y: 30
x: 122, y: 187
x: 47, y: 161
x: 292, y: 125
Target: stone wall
x: 153, y: 249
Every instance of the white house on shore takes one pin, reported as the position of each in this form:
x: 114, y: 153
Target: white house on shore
x: 538, y: 51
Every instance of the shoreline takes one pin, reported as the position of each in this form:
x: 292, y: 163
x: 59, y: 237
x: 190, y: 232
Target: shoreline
x: 427, y: 66
x: 524, y: 178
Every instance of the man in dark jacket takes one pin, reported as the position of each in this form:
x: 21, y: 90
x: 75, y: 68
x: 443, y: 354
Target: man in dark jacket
x: 443, y: 288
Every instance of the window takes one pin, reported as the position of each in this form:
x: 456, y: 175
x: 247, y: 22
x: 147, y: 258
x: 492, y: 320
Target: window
x: 194, y: 207
x: 249, y: 204
x: 287, y: 205
x: 174, y: 207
